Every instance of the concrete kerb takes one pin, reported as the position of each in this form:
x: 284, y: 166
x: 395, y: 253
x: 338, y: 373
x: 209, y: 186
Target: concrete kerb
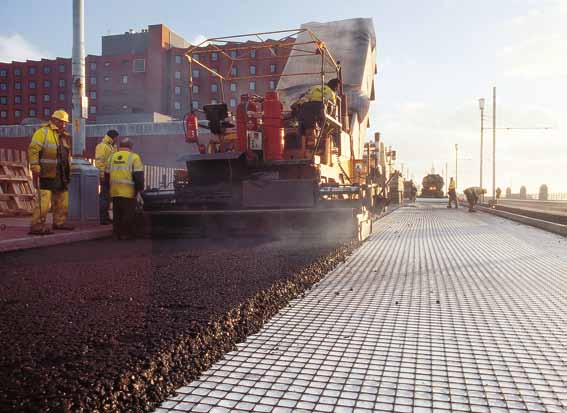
x: 36, y: 241
x: 534, y: 222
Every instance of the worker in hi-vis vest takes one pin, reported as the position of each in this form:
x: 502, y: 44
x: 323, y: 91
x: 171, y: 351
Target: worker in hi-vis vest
x: 103, y: 152
x: 49, y: 155
x: 124, y: 178
x: 452, y: 193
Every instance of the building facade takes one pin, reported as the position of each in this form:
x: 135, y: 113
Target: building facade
x: 140, y: 72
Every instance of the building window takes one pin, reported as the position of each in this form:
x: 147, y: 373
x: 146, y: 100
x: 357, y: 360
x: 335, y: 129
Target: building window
x: 32, y: 98
x: 214, y: 101
x: 232, y: 102
x: 3, y: 73
x: 178, y: 75
x: 92, y: 110
x: 17, y: 71
x: 17, y: 113
x: 272, y: 84
x: 106, y: 64
x: 177, y: 105
x: 177, y: 91
x: 233, y: 87
x: 61, y: 82
x: 93, y: 80
x: 195, y: 89
x: 214, y: 88
x: 124, y: 79
x: 234, y: 71
x: 3, y: 100
x: 32, y: 113
x: 18, y: 85
x: 46, y: 98
x: 17, y: 99
x: 196, y: 73
x: 253, y: 53
x: 32, y: 84
x: 139, y: 65
x: 234, y: 54
x: 46, y: 112
x: 92, y: 95
x: 252, y: 70
x: 178, y: 59
x: 252, y: 85
x: 47, y: 69
x: 107, y: 78
x: 3, y: 86
x: 196, y: 56
x: 195, y: 104
x: 3, y: 114
x: 32, y: 70
x: 62, y: 97
x: 273, y: 68
x: 93, y: 66
x: 47, y: 84
x: 61, y: 68
x: 214, y: 56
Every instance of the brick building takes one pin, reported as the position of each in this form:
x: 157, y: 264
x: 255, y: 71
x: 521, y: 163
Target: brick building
x: 139, y: 72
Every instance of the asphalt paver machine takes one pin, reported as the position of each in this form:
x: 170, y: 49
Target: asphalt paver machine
x: 260, y: 170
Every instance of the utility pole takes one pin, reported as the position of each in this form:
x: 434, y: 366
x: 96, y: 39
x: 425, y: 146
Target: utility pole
x: 481, y: 105
x: 456, y: 164
x: 494, y: 142
x: 83, y: 188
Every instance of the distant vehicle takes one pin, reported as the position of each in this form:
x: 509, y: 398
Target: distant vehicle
x: 432, y: 186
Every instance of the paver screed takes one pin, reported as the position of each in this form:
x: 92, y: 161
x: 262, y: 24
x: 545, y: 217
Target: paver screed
x: 441, y: 310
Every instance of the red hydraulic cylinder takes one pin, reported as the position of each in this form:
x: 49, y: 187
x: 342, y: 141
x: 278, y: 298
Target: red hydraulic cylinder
x: 241, y: 121
x: 273, y: 127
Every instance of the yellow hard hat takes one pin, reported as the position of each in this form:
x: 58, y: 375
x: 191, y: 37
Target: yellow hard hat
x: 61, y: 115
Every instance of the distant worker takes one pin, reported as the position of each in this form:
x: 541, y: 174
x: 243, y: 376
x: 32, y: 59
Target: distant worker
x: 498, y: 193
x: 104, y: 150
x: 309, y: 108
x: 125, y: 178
x: 452, y: 193
x: 472, y: 195
x: 49, y: 155
x: 413, y: 192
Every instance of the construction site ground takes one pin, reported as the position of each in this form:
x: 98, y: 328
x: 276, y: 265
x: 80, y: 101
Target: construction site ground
x: 441, y: 310
x: 109, y: 325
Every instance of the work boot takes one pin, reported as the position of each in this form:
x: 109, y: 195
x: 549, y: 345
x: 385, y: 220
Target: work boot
x: 39, y: 230
x: 64, y: 227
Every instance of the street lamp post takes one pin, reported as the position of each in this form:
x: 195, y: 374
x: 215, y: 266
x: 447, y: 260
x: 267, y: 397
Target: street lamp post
x: 494, y: 142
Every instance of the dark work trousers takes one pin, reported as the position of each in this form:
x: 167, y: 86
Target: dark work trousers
x: 453, y: 198
x: 124, y: 223
x: 103, y: 203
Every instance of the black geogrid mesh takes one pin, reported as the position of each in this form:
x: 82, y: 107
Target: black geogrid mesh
x: 439, y: 311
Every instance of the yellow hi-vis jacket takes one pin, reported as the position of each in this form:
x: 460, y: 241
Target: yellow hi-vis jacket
x: 121, y: 168
x: 103, y: 152
x: 42, y: 152
x: 314, y: 94
x: 452, y: 185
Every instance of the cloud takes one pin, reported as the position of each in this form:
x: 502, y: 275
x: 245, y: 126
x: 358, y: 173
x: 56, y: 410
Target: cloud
x: 542, y: 49
x: 200, y: 38
x: 15, y: 47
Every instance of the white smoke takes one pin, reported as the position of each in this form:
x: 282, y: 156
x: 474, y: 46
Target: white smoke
x: 14, y: 47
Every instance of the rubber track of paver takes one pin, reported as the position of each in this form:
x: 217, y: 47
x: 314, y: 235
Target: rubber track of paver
x: 442, y: 310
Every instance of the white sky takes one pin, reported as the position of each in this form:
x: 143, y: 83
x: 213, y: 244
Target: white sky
x: 435, y: 57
